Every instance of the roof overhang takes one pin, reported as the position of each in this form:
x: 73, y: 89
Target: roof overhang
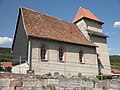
x: 89, y: 19
x: 36, y: 37
x: 92, y: 33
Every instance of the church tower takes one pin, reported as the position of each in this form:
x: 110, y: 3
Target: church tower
x: 91, y: 27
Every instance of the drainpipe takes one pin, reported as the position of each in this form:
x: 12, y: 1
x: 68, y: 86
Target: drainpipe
x: 30, y: 71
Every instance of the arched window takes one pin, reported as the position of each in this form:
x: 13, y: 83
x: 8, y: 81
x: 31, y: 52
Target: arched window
x: 81, y: 56
x: 43, y: 52
x: 61, y: 54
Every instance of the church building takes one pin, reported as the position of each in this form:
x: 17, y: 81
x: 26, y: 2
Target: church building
x: 45, y: 44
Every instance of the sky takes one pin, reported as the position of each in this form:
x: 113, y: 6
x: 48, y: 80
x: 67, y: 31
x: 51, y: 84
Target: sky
x: 107, y: 11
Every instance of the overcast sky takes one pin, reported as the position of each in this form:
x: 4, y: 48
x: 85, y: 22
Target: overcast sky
x: 107, y: 11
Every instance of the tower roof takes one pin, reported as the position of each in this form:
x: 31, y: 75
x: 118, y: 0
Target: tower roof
x: 84, y: 13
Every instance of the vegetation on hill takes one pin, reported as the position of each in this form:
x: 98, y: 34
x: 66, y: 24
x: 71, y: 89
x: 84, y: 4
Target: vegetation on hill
x: 115, y: 61
x: 5, y: 54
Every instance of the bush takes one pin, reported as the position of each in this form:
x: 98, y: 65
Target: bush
x: 8, y: 69
x: 104, y: 77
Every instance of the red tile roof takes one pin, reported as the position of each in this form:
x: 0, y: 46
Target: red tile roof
x: 6, y: 64
x: 43, y: 26
x: 84, y: 13
x: 115, y: 71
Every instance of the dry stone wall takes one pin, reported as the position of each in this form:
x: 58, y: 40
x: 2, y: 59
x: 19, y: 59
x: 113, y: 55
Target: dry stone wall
x: 37, y: 82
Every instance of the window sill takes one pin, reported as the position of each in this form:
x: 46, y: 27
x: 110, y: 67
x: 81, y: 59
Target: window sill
x: 62, y: 61
x: 82, y: 63
x: 43, y: 60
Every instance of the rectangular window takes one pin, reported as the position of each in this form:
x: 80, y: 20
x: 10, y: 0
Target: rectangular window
x: 43, y: 53
x: 81, y: 56
x: 61, y: 54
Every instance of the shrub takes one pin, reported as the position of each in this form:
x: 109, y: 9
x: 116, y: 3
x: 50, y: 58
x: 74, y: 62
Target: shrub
x: 8, y: 69
x: 104, y: 77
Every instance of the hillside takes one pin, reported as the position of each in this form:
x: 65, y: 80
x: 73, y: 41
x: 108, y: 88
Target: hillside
x: 5, y: 54
x: 115, y: 61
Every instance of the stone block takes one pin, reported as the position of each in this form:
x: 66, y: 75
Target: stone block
x: 4, y: 82
x: 15, y: 82
x: 53, y: 81
x: 7, y: 88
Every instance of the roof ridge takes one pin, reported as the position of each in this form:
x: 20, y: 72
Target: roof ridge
x: 82, y: 12
x: 44, y: 14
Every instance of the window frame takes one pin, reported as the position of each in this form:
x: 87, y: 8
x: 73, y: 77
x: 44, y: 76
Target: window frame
x: 81, y: 57
x: 62, y: 56
x: 44, y: 56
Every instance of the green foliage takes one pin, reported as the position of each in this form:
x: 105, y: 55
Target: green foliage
x: 49, y: 74
x: 115, y: 61
x: 8, y: 69
x: 104, y: 77
x: 5, y: 54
